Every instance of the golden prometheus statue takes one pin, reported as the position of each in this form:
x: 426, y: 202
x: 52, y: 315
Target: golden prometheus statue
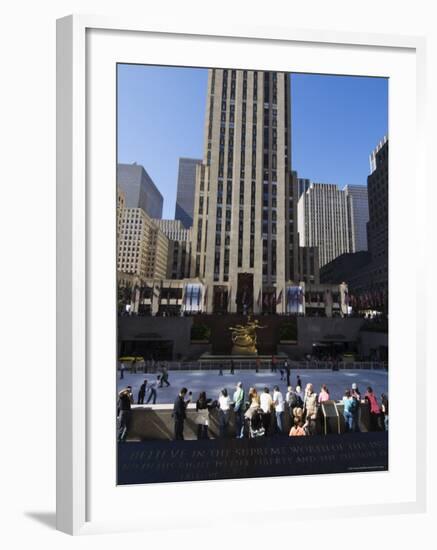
x: 244, y: 337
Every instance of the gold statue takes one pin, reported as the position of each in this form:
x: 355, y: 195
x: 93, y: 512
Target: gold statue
x: 244, y: 337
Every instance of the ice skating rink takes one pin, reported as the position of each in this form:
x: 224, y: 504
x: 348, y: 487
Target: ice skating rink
x: 211, y: 382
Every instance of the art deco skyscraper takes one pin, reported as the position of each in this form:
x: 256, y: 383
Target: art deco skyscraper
x: 244, y: 235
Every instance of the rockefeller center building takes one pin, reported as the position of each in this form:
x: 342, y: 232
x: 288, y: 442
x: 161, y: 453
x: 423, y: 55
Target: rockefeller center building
x: 244, y: 241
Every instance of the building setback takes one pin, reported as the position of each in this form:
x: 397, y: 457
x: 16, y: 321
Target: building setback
x: 324, y: 221
x: 244, y: 236
x: 303, y: 185
x: 186, y: 189
x: 139, y: 189
x: 173, y: 229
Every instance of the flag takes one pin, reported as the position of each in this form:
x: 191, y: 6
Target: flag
x: 229, y: 297
x: 259, y: 299
x: 205, y: 295
x: 279, y: 298
x: 168, y: 294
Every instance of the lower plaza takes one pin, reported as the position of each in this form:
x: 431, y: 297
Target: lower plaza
x: 212, y: 383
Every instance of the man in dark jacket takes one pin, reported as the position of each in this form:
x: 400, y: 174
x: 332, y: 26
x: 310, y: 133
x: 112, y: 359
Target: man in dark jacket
x: 142, y: 393
x: 179, y: 414
x: 125, y: 400
x: 287, y: 371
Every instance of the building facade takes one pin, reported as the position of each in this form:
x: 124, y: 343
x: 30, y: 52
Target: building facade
x: 324, y: 221
x: 347, y: 267
x: 157, y: 266
x: 142, y: 247
x: 139, y: 189
x: 185, y: 192
x: 358, y: 206
x: 377, y: 227
x: 173, y: 229
x: 367, y: 272
x: 244, y: 234
x: 179, y: 248
x: 309, y: 264
x: 377, y: 186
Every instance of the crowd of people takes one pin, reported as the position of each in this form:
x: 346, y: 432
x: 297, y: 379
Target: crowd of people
x: 258, y: 414
x: 262, y: 413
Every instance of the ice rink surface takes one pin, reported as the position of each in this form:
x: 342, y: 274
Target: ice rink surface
x: 211, y: 382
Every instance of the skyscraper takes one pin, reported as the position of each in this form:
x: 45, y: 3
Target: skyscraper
x: 324, y: 221
x: 244, y: 235
x: 377, y: 227
x: 139, y: 189
x: 185, y: 192
x: 377, y: 186
x: 358, y: 206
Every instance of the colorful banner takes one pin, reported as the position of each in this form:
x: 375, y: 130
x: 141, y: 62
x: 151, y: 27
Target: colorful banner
x: 294, y: 299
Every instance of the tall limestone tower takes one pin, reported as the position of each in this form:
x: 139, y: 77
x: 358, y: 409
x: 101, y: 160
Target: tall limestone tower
x: 245, y: 241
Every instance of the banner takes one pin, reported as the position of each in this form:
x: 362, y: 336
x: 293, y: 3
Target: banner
x: 294, y: 299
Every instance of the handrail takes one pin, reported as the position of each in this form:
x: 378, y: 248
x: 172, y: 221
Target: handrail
x: 250, y: 364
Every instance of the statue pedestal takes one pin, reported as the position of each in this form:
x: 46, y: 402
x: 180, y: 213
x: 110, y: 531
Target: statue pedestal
x: 240, y: 351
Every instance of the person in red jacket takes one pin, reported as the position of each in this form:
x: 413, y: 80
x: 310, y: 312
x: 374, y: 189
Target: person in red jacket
x: 374, y: 409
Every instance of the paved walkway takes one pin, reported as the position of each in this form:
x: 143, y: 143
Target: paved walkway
x: 212, y: 383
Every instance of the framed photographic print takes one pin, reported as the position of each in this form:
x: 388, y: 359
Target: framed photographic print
x: 232, y: 282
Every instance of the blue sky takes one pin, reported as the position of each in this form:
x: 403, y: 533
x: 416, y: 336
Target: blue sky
x: 336, y: 122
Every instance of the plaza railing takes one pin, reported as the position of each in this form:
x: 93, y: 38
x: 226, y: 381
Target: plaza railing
x: 249, y: 364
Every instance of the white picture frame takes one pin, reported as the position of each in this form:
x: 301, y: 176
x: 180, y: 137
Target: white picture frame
x: 77, y: 274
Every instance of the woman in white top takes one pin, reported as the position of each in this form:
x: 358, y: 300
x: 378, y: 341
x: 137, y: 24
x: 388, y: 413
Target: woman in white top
x: 267, y: 406
x: 278, y: 402
x: 224, y: 402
